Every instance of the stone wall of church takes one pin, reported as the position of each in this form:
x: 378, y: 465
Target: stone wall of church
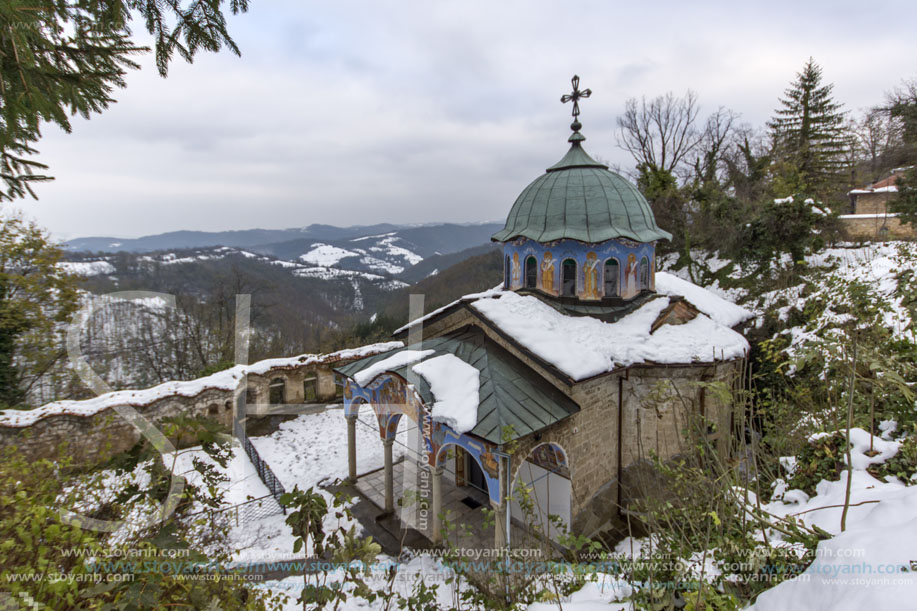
x: 660, y: 404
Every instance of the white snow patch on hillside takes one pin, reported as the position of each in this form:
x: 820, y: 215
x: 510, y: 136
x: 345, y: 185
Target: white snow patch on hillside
x: 173, y: 259
x: 389, y: 248
x: 286, y: 264
x: 326, y: 255
x: 327, y: 273
x: 456, y: 387
x: 877, y: 266
x: 87, y: 268
x: 371, y: 237
x: 381, y: 265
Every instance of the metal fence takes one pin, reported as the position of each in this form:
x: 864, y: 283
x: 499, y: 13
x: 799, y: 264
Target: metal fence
x: 248, y: 511
x: 264, y: 471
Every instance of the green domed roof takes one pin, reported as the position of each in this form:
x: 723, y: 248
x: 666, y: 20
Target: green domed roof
x: 579, y: 198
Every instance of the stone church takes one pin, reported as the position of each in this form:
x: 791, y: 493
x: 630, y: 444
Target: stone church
x: 582, y: 363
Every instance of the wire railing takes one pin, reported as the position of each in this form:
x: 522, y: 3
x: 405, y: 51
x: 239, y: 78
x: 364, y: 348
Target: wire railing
x: 264, y: 472
x: 249, y: 511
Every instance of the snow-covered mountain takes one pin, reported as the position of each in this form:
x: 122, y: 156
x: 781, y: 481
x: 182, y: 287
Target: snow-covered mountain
x: 353, y: 256
x: 422, y: 240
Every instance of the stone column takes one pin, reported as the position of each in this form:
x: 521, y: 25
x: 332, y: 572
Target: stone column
x: 325, y: 388
x: 262, y: 394
x: 292, y: 387
x: 389, y: 477
x: 437, y: 536
x: 352, y: 447
x: 502, y: 507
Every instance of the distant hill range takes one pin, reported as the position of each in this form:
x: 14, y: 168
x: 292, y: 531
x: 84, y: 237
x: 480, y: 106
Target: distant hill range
x: 308, y: 280
x: 428, y: 239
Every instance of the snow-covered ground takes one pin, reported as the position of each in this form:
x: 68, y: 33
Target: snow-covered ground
x: 867, y: 566
x: 872, y: 565
x: 306, y: 452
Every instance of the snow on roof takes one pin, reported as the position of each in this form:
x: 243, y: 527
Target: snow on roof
x: 456, y: 387
x: 399, y: 359
x: 227, y: 379
x: 470, y: 297
x: 867, y: 216
x: 583, y: 347
x: 722, y: 311
x: 889, y: 189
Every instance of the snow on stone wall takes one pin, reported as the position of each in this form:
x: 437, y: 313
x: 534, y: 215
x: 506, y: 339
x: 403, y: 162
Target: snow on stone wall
x: 93, y: 429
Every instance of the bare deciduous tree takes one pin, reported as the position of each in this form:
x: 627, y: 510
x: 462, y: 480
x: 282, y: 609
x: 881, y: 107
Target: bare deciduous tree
x: 717, y: 139
x: 662, y: 132
x: 876, y: 135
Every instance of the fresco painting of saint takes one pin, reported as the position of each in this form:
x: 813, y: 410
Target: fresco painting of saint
x: 591, y: 277
x: 547, y: 273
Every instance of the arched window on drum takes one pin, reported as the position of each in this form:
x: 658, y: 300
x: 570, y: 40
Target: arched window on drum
x: 644, y: 273
x: 612, y: 275
x: 569, y: 278
x: 531, y: 272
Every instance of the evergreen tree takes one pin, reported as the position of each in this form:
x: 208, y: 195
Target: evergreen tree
x: 906, y: 202
x: 809, y: 137
x: 35, y: 296
x: 59, y: 58
x: 902, y: 107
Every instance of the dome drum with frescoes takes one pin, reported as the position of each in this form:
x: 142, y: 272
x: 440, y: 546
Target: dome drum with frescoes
x: 580, y: 230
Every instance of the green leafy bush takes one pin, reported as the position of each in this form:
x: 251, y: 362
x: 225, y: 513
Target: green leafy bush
x: 821, y: 458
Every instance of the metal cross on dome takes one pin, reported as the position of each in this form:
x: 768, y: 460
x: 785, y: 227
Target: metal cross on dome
x: 576, y: 95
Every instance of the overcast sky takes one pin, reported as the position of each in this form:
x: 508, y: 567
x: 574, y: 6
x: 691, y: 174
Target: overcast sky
x: 415, y: 111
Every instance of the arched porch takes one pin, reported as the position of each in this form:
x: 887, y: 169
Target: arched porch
x: 442, y: 474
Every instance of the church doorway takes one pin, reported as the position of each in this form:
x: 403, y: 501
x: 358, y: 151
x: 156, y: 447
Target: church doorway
x: 468, y: 472
x: 475, y: 474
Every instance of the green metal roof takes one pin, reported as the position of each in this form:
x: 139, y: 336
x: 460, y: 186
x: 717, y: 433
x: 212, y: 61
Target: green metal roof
x: 510, y: 392
x: 579, y: 198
